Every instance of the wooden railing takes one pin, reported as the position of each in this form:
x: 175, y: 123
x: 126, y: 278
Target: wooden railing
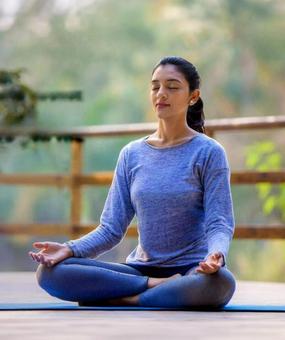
x: 76, y: 179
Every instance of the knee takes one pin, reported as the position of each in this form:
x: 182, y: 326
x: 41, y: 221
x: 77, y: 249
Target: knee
x: 222, y: 287
x: 47, y: 276
x: 209, y: 290
x: 44, y: 276
x: 48, y: 279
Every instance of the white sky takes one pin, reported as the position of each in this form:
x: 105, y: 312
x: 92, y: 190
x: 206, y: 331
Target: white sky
x: 9, y: 9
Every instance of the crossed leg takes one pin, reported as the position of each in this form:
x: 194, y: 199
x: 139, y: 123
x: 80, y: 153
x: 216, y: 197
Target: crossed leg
x: 92, y: 281
x: 87, y: 280
x: 191, y: 290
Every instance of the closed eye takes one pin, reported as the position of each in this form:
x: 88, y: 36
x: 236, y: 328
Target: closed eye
x: 170, y: 88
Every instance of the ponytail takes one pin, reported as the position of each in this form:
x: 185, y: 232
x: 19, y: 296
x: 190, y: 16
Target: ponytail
x: 195, y: 116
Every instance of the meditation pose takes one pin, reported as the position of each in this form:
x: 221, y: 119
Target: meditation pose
x: 177, y: 183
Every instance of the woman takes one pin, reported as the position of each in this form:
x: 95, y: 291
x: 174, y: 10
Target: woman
x: 176, y: 181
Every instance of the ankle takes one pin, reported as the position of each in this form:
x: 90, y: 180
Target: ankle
x: 153, y: 281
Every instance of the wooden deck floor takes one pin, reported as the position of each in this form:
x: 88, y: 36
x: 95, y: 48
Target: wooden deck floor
x: 136, y: 325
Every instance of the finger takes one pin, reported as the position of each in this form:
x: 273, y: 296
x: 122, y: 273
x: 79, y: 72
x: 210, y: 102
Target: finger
x: 31, y: 255
x: 213, y: 270
x: 200, y: 270
x: 220, y: 258
x: 42, y: 259
x: 34, y: 255
x: 208, y: 268
x: 206, y: 265
x: 212, y: 263
x: 204, y: 271
x: 40, y: 245
x: 37, y: 257
x: 214, y: 257
x: 207, y: 272
x: 215, y: 267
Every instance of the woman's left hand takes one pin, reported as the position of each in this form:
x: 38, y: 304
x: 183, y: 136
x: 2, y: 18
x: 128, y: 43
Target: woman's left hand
x: 212, y: 264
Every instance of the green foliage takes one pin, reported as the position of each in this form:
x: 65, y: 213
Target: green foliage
x: 264, y: 156
x: 17, y: 100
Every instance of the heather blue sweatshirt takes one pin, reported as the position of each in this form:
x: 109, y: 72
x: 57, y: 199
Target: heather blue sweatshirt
x: 182, y: 200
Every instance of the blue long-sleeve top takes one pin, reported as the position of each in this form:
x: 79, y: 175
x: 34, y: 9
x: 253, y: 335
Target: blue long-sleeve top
x: 181, y: 197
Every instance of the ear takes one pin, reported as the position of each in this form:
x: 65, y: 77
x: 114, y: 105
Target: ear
x: 194, y: 96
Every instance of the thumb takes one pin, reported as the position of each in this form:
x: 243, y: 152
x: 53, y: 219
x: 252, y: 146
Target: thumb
x: 219, y: 256
x: 40, y: 245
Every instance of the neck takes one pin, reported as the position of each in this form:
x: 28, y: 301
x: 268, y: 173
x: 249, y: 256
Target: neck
x: 172, y: 130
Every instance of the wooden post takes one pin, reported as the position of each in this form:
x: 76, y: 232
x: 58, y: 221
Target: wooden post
x: 75, y: 186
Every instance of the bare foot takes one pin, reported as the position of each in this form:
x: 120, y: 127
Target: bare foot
x: 154, y: 281
x: 134, y: 300
x: 124, y: 301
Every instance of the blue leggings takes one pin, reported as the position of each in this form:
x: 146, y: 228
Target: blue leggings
x: 87, y: 280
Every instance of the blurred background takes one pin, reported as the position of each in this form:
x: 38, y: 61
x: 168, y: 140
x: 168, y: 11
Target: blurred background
x: 107, y: 49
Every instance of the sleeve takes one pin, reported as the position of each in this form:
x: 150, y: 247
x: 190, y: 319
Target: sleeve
x: 117, y: 214
x: 218, y: 205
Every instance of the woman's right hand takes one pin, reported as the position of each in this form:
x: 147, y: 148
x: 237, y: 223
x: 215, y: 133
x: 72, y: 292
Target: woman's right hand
x: 50, y: 253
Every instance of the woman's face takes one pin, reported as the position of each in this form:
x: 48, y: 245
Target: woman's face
x: 170, y: 93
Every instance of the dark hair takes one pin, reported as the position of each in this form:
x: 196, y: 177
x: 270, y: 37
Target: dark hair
x: 195, y: 113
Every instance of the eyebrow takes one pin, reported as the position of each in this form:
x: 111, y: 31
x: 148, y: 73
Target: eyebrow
x: 156, y: 81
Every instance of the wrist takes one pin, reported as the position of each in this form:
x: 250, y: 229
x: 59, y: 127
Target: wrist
x: 220, y: 254
x: 222, y: 258
x: 68, y: 250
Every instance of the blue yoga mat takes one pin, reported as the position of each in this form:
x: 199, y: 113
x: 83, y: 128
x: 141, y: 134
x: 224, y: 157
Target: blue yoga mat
x: 69, y: 306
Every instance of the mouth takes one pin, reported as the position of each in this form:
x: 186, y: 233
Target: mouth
x: 161, y: 105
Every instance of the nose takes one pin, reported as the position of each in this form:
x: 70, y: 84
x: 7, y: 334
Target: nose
x: 161, y: 93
